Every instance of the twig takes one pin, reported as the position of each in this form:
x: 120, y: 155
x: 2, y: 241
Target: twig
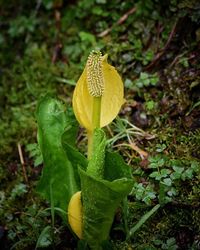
x: 141, y: 152
x: 162, y: 51
x: 177, y: 59
x: 22, y: 162
x: 120, y: 21
x: 110, y: 131
x: 39, y: 2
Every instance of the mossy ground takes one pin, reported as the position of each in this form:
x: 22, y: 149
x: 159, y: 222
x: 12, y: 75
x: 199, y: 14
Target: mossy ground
x: 155, y: 47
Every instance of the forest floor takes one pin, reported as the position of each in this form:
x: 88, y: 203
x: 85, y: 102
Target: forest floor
x: 155, y: 46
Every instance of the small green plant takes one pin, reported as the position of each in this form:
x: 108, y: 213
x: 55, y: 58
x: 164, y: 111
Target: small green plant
x: 18, y: 190
x: 67, y: 171
x: 22, y: 25
x: 35, y: 153
x: 146, y: 80
x: 91, y: 188
x: 169, y: 172
x: 145, y: 193
x: 170, y: 244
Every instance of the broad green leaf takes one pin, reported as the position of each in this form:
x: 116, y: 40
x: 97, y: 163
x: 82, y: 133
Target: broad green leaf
x: 70, y: 133
x: 100, y: 200
x: 115, y: 167
x: 58, y: 172
x: 104, y: 185
x: 75, y: 157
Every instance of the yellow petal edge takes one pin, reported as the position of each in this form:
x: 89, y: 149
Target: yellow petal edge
x: 75, y: 214
x: 111, y: 102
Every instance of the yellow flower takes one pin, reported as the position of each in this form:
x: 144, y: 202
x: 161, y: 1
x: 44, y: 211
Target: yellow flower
x: 99, y: 73
x: 75, y: 214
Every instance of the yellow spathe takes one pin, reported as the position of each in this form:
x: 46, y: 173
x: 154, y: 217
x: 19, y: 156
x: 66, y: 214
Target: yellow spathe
x: 75, y: 214
x: 111, y: 100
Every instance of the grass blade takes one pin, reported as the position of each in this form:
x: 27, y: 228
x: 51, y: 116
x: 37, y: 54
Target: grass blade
x: 142, y: 221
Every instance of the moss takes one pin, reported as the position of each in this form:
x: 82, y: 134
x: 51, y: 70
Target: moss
x: 40, y: 53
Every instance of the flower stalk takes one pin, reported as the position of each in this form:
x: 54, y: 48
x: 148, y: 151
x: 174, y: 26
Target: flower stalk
x: 95, y: 83
x: 96, y: 117
x: 96, y: 114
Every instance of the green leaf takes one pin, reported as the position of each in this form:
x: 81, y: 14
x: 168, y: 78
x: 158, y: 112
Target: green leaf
x: 76, y: 159
x: 82, y: 245
x: 178, y: 169
x: 195, y: 166
x: 164, y: 172
x: 87, y: 37
x: 33, y: 152
x: 53, y: 120
x: 144, y: 76
x: 175, y: 176
x: 146, y: 82
x: 31, y: 146
x: 128, y: 83
x: 150, y: 106
x: 100, y: 201
x: 142, y: 221
x: 70, y: 133
x: 188, y: 174
x: 19, y: 190
x: 38, y: 160
x: 155, y: 175
x: 172, y: 192
x: 45, y: 238
x: 171, y: 241
x: 156, y: 161
x: 167, y: 182
x: 106, y: 183
x: 153, y: 165
x: 116, y: 167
